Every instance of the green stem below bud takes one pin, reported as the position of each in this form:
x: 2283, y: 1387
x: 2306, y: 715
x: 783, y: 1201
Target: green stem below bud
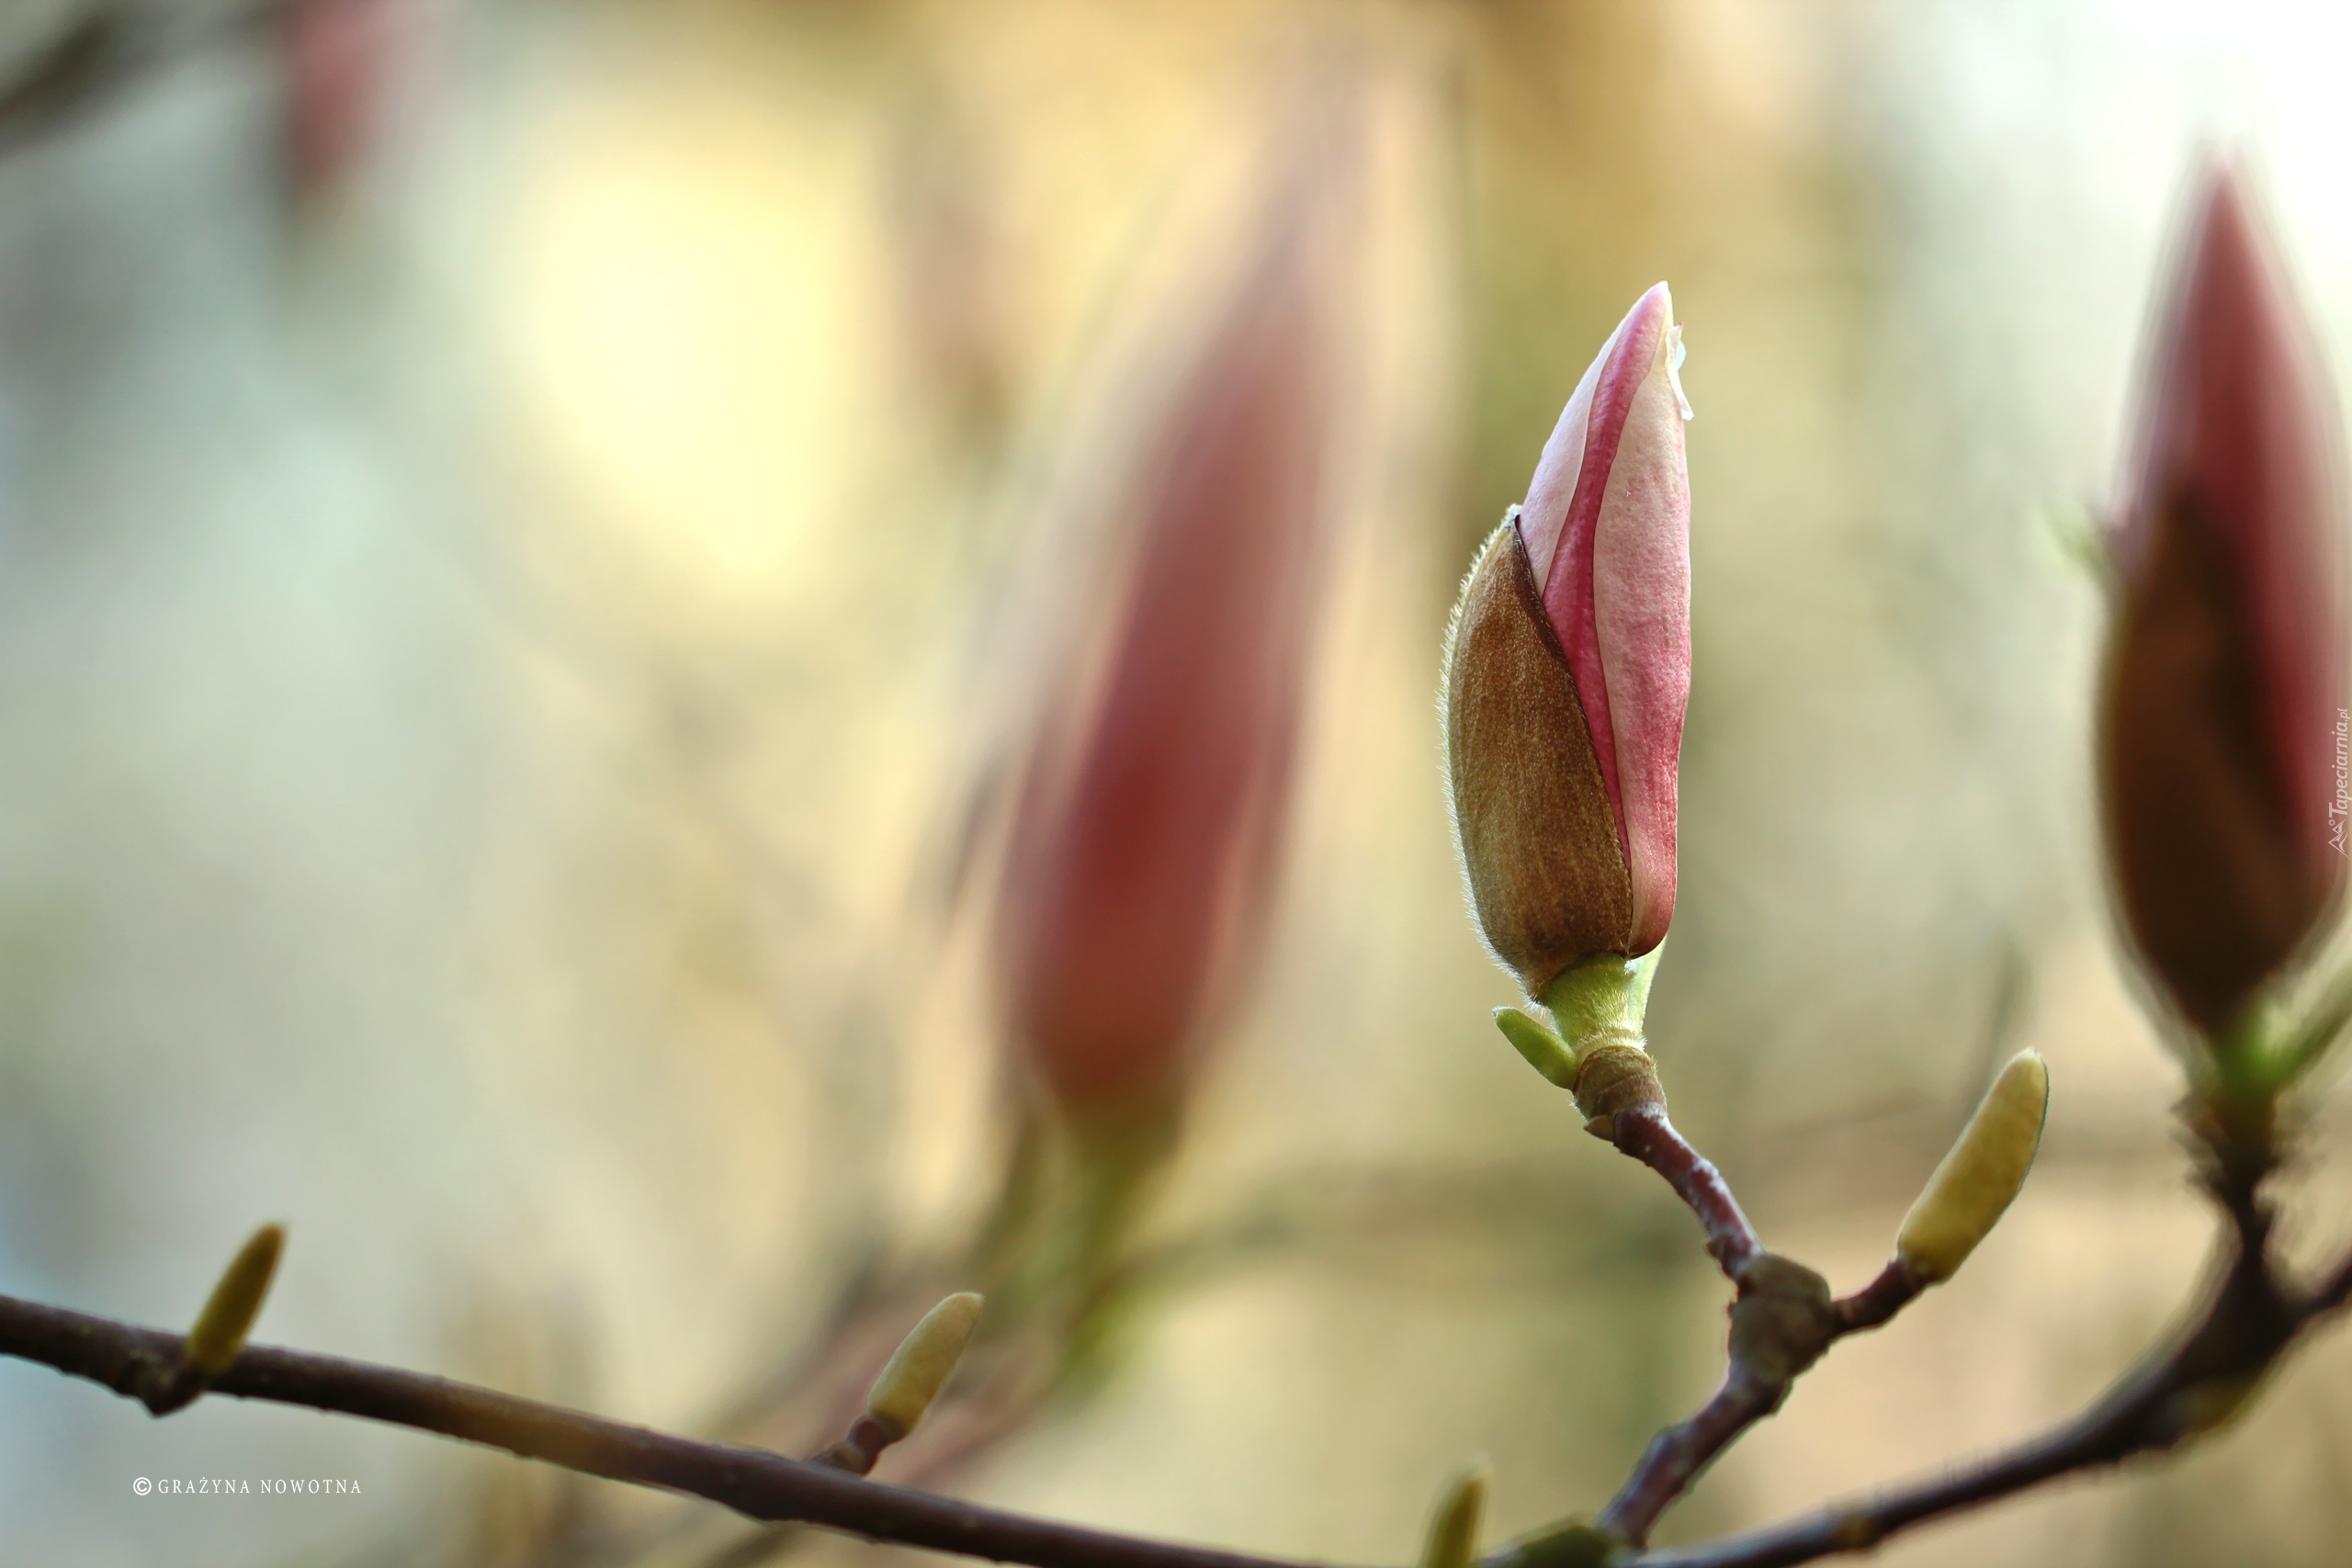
x: 1601, y: 1000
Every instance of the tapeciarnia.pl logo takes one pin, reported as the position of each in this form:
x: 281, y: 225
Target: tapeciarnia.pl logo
x: 2342, y: 806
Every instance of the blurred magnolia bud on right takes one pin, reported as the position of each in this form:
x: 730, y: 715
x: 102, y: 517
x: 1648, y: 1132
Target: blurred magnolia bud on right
x: 2220, y: 748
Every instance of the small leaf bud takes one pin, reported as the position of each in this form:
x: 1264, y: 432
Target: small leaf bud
x: 921, y: 1365
x: 1452, y: 1539
x: 1978, y: 1180
x: 228, y: 1315
x: 1544, y: 1051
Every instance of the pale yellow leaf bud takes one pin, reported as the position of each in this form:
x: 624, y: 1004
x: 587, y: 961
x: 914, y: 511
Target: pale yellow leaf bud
x: 1453, y: 1527
x: 921, y: 1365
x: 228, y: 1317
x: 1969, y: 1192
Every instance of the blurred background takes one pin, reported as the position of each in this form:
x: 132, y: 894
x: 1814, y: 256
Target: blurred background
x: 540, y: 541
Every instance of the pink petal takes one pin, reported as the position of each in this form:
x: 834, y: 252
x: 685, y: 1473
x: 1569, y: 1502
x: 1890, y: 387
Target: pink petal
x: 1641, y: 589
x: 1145, y: 850
x: 1634, y: 353
x: 340, y: 58
x: 1545, y: 511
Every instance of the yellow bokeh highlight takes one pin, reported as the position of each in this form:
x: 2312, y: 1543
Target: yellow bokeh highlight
x: 684, y: 311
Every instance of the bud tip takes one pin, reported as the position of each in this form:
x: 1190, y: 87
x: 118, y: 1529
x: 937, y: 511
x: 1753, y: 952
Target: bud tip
x: 1544, y: 1051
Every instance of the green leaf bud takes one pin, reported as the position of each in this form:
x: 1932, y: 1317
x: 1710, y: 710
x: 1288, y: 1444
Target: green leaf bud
x: 1453, y: 1540
x: 228, y: 1315
x: 1544, y: 1051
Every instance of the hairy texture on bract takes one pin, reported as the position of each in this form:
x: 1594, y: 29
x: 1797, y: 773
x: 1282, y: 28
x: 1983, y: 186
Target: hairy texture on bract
x: 1532, y: 818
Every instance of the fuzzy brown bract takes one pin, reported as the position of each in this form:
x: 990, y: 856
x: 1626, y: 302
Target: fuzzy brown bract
x: 1531, y: 820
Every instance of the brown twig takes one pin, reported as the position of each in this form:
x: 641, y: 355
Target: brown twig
x: 1643, y: 1132
x: 1880, y: 1299
x: 753, y: 1482
x: 1781, y: 1321
x: 2248, y: 1322
x: 1676, y: 1455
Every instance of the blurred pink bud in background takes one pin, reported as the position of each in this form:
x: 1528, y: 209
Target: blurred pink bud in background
x: 1569, y: 672
x: 340, y: 58
x: 1149, y: 830
x: 2220, y: 741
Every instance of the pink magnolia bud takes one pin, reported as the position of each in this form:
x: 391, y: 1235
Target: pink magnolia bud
x: 1145, y: 840
x: 339, y: 60
x: 1568, y: 669
x: 2218, y: 725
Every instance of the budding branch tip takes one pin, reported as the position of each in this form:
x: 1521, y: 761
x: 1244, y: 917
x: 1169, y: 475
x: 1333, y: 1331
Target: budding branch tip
x: 1453, y: 1540
x: 229, y: 1313
x: 1983, y: 1174
x: 1544, y: 1051
x: 921, y: 1366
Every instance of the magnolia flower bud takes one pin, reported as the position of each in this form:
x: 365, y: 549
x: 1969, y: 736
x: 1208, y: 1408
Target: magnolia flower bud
x: 2219, y: 722
x: 339, y: 60
x: 1568, y: 669
x: 1146, y: 842
x: 1981, y: 1176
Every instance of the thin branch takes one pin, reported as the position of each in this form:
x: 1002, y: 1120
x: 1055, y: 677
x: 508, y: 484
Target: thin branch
x: 1857, y: 1526
x: 1785, y: 1320
x: 756, y: 1483
x: 2247, y: 1323
x: 1676, y: 1455
x: 1782, y: 1323
x: 2334, y: 1291
x: 1643, y: 1132
x: 2143, y: 1414
x: 1867, y: 1308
